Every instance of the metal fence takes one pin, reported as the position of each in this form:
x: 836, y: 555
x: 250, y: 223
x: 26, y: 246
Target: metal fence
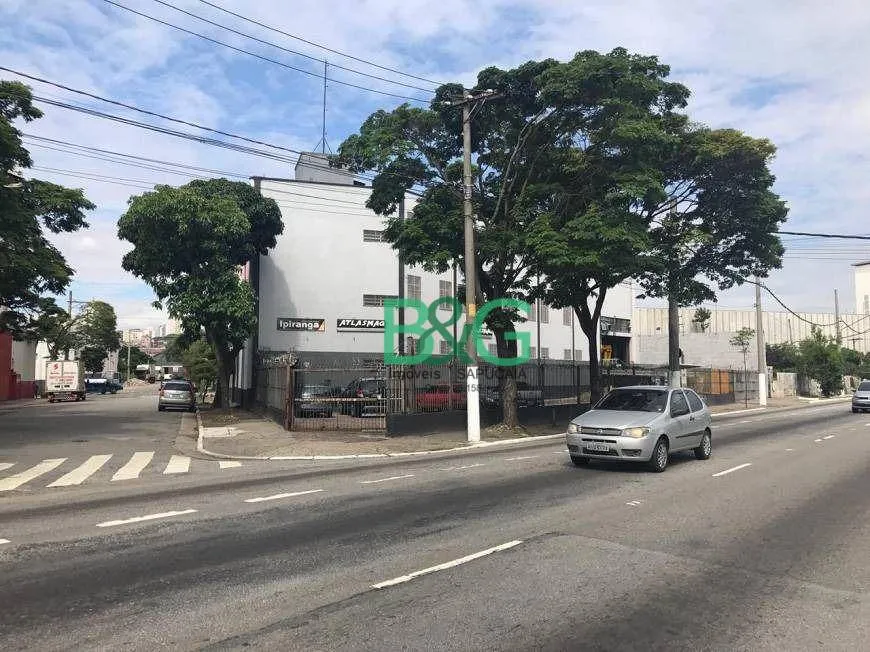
x: 717, y: 386
x: 339, y: 397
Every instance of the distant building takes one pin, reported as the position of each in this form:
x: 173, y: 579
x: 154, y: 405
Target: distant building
x: 862, y: 287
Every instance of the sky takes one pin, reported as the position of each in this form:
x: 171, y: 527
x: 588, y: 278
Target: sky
x: 792, y: 71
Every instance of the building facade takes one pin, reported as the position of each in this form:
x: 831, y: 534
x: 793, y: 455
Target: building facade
x: 322, y: 288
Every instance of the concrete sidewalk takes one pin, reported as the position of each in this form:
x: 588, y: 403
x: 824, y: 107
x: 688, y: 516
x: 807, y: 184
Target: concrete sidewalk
x: 240, y: 434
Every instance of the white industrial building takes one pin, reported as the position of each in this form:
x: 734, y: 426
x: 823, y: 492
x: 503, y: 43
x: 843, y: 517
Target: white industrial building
x: 321, y: 288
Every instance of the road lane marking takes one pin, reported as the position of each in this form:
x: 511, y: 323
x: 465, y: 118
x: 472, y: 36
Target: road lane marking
x: 731, y: 470
x: 2, y: 541
x: 446, y: 565
x: 82, y: 472
x: 177, y: 464
x: 6, y: 465
x: 134, y: 467
x: 516, y: 459
x: 633, y: 503
x: 459, y: 468
x: 263, y: 499
x: 829, y: 437
x: 15, y: 481
x: 229, y: 465
x: 789, y: 449
x: 394, y: 477
x: 817, y: 440
x: 149, y: 517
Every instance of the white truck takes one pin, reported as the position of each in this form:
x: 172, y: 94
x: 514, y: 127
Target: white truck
x: 64, y: 379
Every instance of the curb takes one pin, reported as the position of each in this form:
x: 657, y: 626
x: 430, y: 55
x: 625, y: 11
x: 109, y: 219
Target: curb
x: 809, y: 403
x: 200, y: 447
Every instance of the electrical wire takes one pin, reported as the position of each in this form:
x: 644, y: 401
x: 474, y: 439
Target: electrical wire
x: 318, y: 45
x: 294, y: 52
x: 261, y: 57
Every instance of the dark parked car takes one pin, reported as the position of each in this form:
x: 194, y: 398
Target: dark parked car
x: 314, y: 400
x: 365, y: 397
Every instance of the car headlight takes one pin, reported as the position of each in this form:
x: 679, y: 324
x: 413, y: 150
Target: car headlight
x: 573, y: 428
x: 637, y: 433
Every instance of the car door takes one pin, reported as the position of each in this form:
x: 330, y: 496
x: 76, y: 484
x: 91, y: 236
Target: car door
x: 680, y: 428
x: 699, y: 419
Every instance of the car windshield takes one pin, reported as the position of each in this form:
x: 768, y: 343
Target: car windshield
x: 634, y: 400
x: 864, y: 387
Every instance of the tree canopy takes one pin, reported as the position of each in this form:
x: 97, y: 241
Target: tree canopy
x: 30, y: 266
x: 188, y: 244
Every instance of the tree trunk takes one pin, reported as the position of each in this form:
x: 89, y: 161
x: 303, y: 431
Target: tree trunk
x: 589, y: 325
x: 673, y: 342
x: 507, y: 377
x: 225, y: 362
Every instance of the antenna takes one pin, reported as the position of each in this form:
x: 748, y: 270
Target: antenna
x: 324, y: 145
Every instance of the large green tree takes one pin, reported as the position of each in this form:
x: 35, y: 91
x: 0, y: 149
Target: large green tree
x: 821, y: 359
x: 188, y: 244
x: 137, y: 357
x: 96, y: 330
x: 617, y: 115
x: 30, y: 266
x: 715, y: 222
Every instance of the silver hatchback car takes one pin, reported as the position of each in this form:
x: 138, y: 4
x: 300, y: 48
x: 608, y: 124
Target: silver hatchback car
x: 177, y: 394
x: 644, y: 423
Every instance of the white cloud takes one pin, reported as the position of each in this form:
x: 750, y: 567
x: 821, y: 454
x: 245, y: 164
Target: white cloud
x: 813, y: 53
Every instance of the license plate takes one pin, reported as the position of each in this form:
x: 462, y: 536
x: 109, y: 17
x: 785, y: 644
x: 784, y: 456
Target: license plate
x: 593, y: 446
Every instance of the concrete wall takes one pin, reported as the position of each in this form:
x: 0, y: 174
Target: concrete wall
x: 24, y: 359
x: 783, y: 384
x: 699, y: 349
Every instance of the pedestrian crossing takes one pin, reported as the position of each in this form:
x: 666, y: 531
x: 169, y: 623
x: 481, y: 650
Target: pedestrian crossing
x: 65, y: 472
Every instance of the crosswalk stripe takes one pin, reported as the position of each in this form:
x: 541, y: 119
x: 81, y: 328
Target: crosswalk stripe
x: 6, y: 465
x: 134, y: 467
x: 15, y: 481
x: 177, y: 464
x: 229, y: 465
x: 81, y: 473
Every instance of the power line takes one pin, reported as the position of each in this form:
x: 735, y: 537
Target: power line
x: 318, y: 45
x: 825, y: 235
x: 289, y: 51
x: 261, y: 57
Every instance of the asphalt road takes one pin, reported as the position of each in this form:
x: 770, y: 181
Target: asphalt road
x: 763, y: 547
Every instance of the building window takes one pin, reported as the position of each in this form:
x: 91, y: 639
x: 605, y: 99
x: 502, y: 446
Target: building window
x: 411, y: 345
x: 493, y: 349
x: 444, y: 347
x: 377, y: 300
x: 533, y: 313
x: 413, y: 286
x: 543, y: 313
x: 545, y: 353
x: 370, y: 235
x: 567, y: 314
x: 445, y: 289
x: 566, y: 354
x: 578, y: 355
x: 533, y: 353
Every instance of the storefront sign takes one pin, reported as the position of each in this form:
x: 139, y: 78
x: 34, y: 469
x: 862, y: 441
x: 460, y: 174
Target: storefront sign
x: 301, y: 324
x: 354, y: 324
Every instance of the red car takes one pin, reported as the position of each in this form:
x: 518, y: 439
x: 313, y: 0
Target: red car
x: 442, y: 397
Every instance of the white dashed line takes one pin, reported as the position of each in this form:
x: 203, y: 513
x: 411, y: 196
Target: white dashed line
x: 517, y: 459
x: 149, y: 517
x: 135, y: 466
x: 279, y: 496
x: 817, y: 440
x: 4, y: 541
x: 829, y: 437
x: 6, y: 465
x: 633, y: 503
x: 731, y: 470
x: 460, y: 468
x: 789, y: 449
x: 446, y: 565
x: 229, y: 465
x: 394, y: 477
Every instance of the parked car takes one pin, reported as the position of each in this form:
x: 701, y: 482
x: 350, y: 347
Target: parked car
x: 861, y: 397
x: 643, y: 423
x: 442, y: 397
x: 527, y: 396
x: 365, y: 397
x: 177, y: 394
x: 313, y: 400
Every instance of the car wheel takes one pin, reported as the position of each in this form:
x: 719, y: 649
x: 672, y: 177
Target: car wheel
x: 579, y: 461
x: 705, y: 449
x: 659, y: 460
x: 160, y: 408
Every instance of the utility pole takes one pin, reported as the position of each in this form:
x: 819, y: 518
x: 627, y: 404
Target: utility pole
x: 128, y: 356
x: 473, y: 403
x: 762, y: 353
x: 837, y: 317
